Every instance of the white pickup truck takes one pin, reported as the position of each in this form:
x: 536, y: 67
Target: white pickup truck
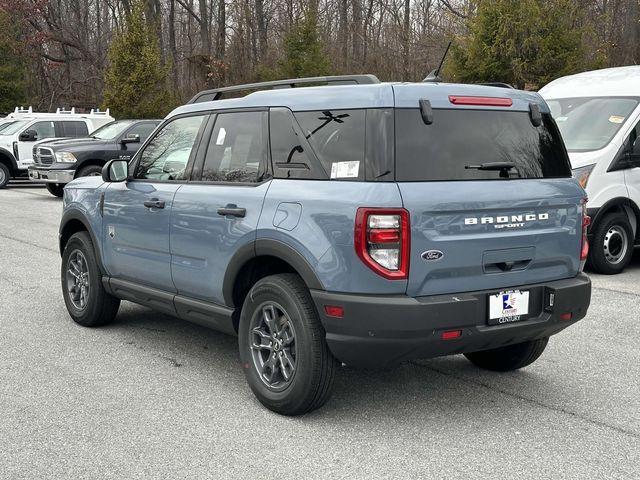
x: 20, y: 131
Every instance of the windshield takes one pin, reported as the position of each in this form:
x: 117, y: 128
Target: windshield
x: 588, y: 124
x: 6, y: 124
x: 12, y: 128
x: 111, y: 130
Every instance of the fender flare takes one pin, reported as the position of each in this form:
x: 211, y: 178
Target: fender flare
x: 78, y: 215
x: 627, y: 205
x: 267, y: 247
x: 12, y: 159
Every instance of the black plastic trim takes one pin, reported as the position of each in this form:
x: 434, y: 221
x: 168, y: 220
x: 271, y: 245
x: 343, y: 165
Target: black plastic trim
x: 74, y: 214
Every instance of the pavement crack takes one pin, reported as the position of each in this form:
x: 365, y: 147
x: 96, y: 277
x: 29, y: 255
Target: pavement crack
x: 532, y: 401
x: 22, y: 240
x: 615, y: 291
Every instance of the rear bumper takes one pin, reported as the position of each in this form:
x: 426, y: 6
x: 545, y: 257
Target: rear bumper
x: 48, y: 175
x: 376, y: 331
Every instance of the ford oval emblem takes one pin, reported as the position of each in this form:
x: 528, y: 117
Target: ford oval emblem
x: 432, y: 255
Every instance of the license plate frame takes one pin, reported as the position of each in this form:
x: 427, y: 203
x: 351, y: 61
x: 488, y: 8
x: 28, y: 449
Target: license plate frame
x: 508, y: 306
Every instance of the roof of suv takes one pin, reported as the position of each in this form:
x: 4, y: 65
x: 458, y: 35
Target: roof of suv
x: 378, y: 95
x: 608, y: 82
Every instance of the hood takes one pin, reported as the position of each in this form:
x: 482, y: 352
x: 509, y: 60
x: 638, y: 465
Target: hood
x: 582, y: 159
x: 69, y: 144
x: 86, y: 182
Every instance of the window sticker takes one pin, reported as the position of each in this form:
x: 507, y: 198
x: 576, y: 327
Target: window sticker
x: 221, y: 136
x: 616, y: 119
x: 345, y: 169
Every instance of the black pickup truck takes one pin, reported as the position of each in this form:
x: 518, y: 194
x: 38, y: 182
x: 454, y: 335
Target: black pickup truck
x: 57, y: 162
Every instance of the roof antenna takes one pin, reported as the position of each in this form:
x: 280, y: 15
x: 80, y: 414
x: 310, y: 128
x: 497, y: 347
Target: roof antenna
x: 434, y: 75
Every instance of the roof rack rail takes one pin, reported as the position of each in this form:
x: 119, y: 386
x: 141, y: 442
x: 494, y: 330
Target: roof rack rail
x: 97, y: 111
x: 21, y: 109
x: 496, y: 84
x: 63, y: 111
x: 217, y: 93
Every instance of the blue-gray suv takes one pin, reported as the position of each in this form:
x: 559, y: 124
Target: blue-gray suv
x: 347, y: 221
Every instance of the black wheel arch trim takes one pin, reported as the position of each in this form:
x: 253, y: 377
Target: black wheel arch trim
x: 598, y: 213
x: 75, y: 214
x: 272, y: 248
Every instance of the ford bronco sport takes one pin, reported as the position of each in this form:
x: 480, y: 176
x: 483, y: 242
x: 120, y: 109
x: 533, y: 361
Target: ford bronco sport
x: 358, y: 222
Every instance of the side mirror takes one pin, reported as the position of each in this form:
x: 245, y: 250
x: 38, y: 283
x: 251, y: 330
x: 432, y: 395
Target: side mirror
x: 115, y: 171
x: 28, y: 136
x: 131, y: 138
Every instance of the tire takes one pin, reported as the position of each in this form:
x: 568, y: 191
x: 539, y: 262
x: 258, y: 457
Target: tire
x: 55, y: 189
x: 98, y: 308
x: 90, y: 171
x: 285, y: 297
x: 611, y: 246
x: 511, y: 357
x: 5, y: 175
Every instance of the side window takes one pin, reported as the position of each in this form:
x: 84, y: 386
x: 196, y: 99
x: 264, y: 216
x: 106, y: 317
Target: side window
x: 143, y: 130
x: 290, y: 151
x: 72, y: 129
x: 337, y: 137
x: 43, y: 130
x: 237, y: 148
x: 166, y: 156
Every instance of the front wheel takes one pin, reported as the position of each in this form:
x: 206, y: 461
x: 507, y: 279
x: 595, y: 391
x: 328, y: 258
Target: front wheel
x: 55, y: 189
x: 88, y: 303
x: 5, y: 175
x: 611, y: 246
x: 90, y: 171
x: 511, y: 357
x: 283, y: 349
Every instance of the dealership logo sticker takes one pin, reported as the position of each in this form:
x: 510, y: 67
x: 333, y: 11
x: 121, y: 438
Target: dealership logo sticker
x: 432, y: 255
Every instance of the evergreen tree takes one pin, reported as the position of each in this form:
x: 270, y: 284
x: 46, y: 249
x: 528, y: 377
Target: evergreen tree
x: 12, y: 66
x: 303, y: 52
x: 526, y: 43
x: 136, y: 82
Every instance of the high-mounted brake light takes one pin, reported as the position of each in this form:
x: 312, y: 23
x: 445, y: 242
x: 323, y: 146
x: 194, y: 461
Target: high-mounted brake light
x: 481, y: 101
x: 381, y: 240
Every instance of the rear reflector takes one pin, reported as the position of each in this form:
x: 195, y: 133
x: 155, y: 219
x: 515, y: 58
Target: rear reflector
x: 481, y: 101
x: 334, y: 311
x: 566, y: 316
x: 451, y: 334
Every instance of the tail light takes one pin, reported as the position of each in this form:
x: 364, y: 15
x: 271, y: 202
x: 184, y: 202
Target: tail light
x: 382, y: 241
x: 586, y: 221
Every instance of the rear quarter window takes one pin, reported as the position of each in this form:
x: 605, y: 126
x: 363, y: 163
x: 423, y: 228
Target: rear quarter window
x: 460, y: 138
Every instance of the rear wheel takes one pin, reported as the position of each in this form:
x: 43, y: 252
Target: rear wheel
x: 87, y: 301
x: 511, y: 357
x: 55, y: 189
x: 5, y: 175
x: 90, y: 171
x: 282, y: 346
x: 611, y: 246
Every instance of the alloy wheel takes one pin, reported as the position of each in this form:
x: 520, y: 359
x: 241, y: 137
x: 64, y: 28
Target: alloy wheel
x: 272, y: 340
x: 78, y: 279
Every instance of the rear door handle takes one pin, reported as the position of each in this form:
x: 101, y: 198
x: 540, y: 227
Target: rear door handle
x: 154, y: 203
x: 232, y: 210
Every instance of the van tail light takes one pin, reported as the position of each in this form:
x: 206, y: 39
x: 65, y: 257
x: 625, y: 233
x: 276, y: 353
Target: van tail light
x: 586, y: 221
x: 382, y: 241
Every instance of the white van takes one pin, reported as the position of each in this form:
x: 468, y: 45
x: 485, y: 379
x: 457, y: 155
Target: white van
x: 598, y: 114
x: 20, y: 131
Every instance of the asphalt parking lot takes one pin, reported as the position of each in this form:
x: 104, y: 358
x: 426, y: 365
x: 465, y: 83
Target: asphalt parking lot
x: 154, y: 397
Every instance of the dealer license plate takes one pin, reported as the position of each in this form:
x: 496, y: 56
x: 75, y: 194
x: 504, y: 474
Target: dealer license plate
x: 509, y: 306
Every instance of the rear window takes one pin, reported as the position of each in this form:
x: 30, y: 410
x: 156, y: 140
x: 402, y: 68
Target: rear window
x: 460, y: 140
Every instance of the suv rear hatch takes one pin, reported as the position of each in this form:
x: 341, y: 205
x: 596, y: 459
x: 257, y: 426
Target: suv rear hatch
x: 490, y: 196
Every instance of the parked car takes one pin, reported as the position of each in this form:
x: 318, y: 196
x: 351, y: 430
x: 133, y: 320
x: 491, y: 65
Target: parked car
x: 21, y: 133
x: 367, y: 224
x: 598, y: 114
x: 60, y: 161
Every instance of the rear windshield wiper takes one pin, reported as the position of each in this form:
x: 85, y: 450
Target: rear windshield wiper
x: 502, y: 167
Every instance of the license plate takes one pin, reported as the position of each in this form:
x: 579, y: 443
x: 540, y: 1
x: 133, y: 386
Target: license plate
x: 509, y: 306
